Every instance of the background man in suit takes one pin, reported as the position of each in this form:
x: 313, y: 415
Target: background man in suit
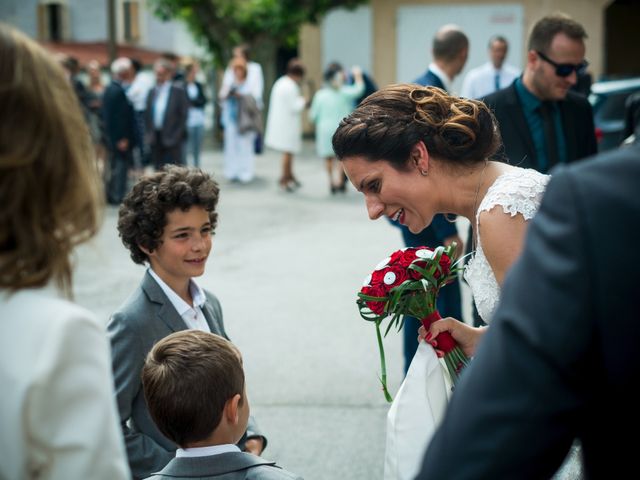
x: 541, y: 121
x: 167, y: 109
x: 166, y: 221
x: 560, y: 359
x: 120, y: 129
x: 493, y: 75
x: 450, y: 50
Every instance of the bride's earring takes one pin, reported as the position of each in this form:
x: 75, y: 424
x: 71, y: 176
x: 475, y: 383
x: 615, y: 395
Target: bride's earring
x: 424, y: 173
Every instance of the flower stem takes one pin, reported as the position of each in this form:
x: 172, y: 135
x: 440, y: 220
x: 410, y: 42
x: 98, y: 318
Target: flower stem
x: 383, y: 365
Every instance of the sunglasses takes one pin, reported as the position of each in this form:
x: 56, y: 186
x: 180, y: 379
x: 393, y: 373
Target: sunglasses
x: 564, y: 69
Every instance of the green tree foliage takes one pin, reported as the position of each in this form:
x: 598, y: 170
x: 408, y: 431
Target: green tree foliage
x: 263, y: 24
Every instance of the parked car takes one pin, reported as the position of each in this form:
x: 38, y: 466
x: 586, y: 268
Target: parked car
x: 608, y: 101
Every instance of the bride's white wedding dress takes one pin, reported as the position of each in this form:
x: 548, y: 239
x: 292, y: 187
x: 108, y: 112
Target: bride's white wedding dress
x: 518, y: 191
x: 419, y: 405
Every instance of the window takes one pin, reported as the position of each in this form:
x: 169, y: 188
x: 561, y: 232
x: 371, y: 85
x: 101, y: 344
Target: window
x: 131, y: 21
x: 52, y: 21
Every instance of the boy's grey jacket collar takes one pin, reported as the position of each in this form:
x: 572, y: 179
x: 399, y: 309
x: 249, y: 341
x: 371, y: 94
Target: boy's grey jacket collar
x: 212, y: 465
x: 166, y: 312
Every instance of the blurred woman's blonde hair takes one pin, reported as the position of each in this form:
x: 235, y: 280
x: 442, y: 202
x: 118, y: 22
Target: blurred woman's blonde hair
x: 50, y: 194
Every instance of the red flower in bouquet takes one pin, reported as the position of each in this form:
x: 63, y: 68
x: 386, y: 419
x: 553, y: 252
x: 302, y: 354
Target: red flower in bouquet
x: 408, y: 283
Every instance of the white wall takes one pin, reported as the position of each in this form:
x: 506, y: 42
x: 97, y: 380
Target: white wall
x: 88, y: 20
x: 416, y: 25
x: 347, y: 38
x: 170, y: 36
x: 21, y: 14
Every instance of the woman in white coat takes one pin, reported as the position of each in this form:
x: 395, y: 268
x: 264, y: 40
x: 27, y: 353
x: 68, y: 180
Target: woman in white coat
x: 57, y: 409
x: 284, y: 122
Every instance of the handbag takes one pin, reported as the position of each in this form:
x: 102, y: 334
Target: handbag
x: 249, y: 115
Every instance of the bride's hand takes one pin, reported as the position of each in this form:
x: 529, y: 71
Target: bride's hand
x: 466, y: 336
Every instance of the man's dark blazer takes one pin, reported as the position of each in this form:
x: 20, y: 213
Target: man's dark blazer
x: 225, y: 466
x: 117, y: 115
x: 146, y: 317
x: 561, y: 358
x: 174, y: 125
x: 429, y: 79
x: 519, y: 150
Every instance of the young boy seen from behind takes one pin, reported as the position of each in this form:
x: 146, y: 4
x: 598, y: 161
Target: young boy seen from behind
x: 194, y: 386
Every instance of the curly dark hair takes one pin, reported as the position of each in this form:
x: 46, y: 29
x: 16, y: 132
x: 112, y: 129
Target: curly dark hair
x: 389, y: 123
x: 143, y: 213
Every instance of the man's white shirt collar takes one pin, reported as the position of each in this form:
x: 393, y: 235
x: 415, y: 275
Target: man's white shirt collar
x: 444, y: 78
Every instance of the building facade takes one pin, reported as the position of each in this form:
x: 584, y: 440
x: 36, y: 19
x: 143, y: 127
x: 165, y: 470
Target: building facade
x: 391, y: 39
x: 80, y: 27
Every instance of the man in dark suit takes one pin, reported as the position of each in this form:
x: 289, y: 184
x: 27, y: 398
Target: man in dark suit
x: 560, y: 359
x: 542, y: 122
x: 450, y: 51
x: 120, y: 130
x: 166, y: 117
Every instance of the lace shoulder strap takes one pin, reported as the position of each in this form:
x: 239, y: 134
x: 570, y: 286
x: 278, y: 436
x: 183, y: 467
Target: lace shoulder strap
x: 518, y: 191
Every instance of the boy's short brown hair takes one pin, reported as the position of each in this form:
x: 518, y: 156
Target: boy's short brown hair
x: 187, y: 378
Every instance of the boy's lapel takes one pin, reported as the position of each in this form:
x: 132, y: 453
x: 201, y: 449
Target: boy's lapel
x: 211, y: 319
x: 166, y: 310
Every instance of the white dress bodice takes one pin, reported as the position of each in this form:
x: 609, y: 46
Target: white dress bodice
x: 518, y: 191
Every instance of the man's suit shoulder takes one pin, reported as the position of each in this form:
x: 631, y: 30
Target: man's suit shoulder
x: 610, y: 173
x: 501, y: 97
x: 578, y: 101
x: 429, y: 79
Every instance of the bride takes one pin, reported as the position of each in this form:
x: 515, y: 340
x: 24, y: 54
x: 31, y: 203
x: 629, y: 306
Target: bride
x: 417, y: 151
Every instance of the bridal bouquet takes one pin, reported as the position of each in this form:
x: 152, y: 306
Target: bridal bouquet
x: 407, y: 283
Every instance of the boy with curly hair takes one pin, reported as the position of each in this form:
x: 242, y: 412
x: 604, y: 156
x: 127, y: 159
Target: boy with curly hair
x: 166, y: 221
x: 206, y: 426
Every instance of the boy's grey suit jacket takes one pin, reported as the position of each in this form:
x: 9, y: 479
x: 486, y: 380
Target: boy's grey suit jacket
x: 226, y: 466
x: 146, y: 317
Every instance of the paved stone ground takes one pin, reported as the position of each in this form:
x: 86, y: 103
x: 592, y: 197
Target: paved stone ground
x: 286, y: 267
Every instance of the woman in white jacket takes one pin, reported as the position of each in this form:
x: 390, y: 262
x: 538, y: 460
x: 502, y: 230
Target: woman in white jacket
x: 284, y: 122
x: 57, y: 408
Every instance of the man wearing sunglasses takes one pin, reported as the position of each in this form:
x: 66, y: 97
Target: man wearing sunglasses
x: 542, y: 122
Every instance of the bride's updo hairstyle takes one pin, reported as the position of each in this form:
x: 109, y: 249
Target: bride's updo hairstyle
x: 389, y: 122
